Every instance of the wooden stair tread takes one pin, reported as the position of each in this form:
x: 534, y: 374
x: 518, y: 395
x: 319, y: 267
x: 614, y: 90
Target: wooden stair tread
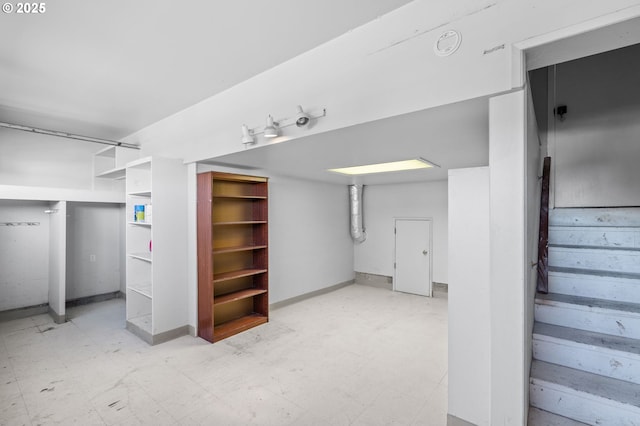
x: 538, y: 417
x: 594, y: 248
x: 587, y: 302
x: 588, y: 383
x: 594, y: 272
x: 591, y: 338
x: 595, y: 216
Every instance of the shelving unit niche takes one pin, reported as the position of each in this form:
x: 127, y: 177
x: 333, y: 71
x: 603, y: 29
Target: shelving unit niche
x: 110, y: 162
x: 233, y: 260
x: 156, y: 249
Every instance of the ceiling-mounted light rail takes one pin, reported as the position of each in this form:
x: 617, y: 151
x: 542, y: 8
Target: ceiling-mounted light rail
x: 67, y: 135
x: 272, y: 128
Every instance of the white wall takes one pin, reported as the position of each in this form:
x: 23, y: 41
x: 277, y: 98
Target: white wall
x: 31, y: 256
x: 469, y: 296
x: 507, y: 174
x: 596, y: 147
x: 383, y: 203
x: 93, y: 229
x: 24, y: 255
x: 309, y: 243
x: 30, y: 159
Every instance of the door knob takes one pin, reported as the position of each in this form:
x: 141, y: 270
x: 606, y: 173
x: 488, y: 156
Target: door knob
x: 424, y: 252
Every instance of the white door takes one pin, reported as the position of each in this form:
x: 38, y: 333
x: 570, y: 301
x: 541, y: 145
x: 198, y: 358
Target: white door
x: 413, y: 256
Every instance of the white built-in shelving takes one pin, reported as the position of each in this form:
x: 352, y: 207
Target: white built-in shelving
x: 110, y: 162
x: 156, y: 249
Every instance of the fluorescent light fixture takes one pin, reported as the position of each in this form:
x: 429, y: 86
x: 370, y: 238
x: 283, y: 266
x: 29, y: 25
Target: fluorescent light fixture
x: 394, y: 166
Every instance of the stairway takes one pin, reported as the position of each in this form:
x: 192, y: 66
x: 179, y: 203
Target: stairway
x: 586, y: 337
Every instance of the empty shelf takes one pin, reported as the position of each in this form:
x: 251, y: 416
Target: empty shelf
x: 240, y: 222
x: 237, y: 295
x: 230, y: 328
x: 238, y: 248
x: 237, y: 274
x: 242, y: 197
x: 141, y: 256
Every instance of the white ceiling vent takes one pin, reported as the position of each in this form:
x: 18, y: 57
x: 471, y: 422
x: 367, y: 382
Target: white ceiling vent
x: 447, y: 43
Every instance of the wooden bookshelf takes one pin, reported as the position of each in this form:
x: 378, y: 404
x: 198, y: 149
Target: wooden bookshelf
x: 233, y: 275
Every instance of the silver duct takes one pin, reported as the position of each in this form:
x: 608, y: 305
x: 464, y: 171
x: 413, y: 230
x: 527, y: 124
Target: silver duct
x: 355, y: 206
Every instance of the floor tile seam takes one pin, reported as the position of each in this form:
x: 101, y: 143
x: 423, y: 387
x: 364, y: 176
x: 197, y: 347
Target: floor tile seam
x: 285, y: 398
x: 13, y: 369
x: 134, y: 414
x: 26, y: 407
x: 20, y: 388
x: 444, y: 376
x: 366, y: 407
x: 119, y: 383
x: 66, y: 416
x: 232, y: 403
x: 159, y: 402
x: 419, y: 411
x: 92, y: 337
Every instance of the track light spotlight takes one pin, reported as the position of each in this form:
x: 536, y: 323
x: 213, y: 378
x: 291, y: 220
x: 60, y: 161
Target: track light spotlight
x: 271, y: 129
x: 247, y: 138
x: 302, y: 118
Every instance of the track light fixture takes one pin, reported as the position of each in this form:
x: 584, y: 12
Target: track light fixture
x: 302, y: 119
x: 247, y: 138
x: 272, y: 127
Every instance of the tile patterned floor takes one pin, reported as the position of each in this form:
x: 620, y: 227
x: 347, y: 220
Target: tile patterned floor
x: 356, y: 356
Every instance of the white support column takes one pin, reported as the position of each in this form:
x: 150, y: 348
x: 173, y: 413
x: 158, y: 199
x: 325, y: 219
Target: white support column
x: 192, y: 246
x: 507, y: 136
x: 58, y: 260
x: 469, y: 297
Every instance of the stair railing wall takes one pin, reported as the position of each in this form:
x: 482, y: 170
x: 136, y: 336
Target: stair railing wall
x: 543, y: 238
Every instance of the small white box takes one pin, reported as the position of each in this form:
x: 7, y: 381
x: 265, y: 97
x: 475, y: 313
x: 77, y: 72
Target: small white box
x: 147, y: 213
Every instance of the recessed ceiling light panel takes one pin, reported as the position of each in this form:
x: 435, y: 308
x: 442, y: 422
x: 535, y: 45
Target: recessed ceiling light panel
x: 394, y: 166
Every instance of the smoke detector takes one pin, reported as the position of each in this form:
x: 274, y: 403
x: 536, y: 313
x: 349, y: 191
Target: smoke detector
x: 447, y: 43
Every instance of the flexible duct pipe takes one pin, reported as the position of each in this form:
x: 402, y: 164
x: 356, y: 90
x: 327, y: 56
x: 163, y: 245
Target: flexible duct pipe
x: 355, y: 206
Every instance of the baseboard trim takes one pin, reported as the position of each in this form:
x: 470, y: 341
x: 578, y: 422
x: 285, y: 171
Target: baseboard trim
x: 165, y: 336
x: 373, y: 280
x: 92, y: 299
x: 456, y: 421
x: 141, y: 333
x: 440, y: 287
x: 305, y: 296
x: 156, y: 339
x: 27, y: 311
x: 57, y: 318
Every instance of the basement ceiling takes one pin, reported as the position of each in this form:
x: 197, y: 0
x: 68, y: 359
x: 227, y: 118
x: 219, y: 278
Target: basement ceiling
x: 109, y: 68
x: 452, y: 136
